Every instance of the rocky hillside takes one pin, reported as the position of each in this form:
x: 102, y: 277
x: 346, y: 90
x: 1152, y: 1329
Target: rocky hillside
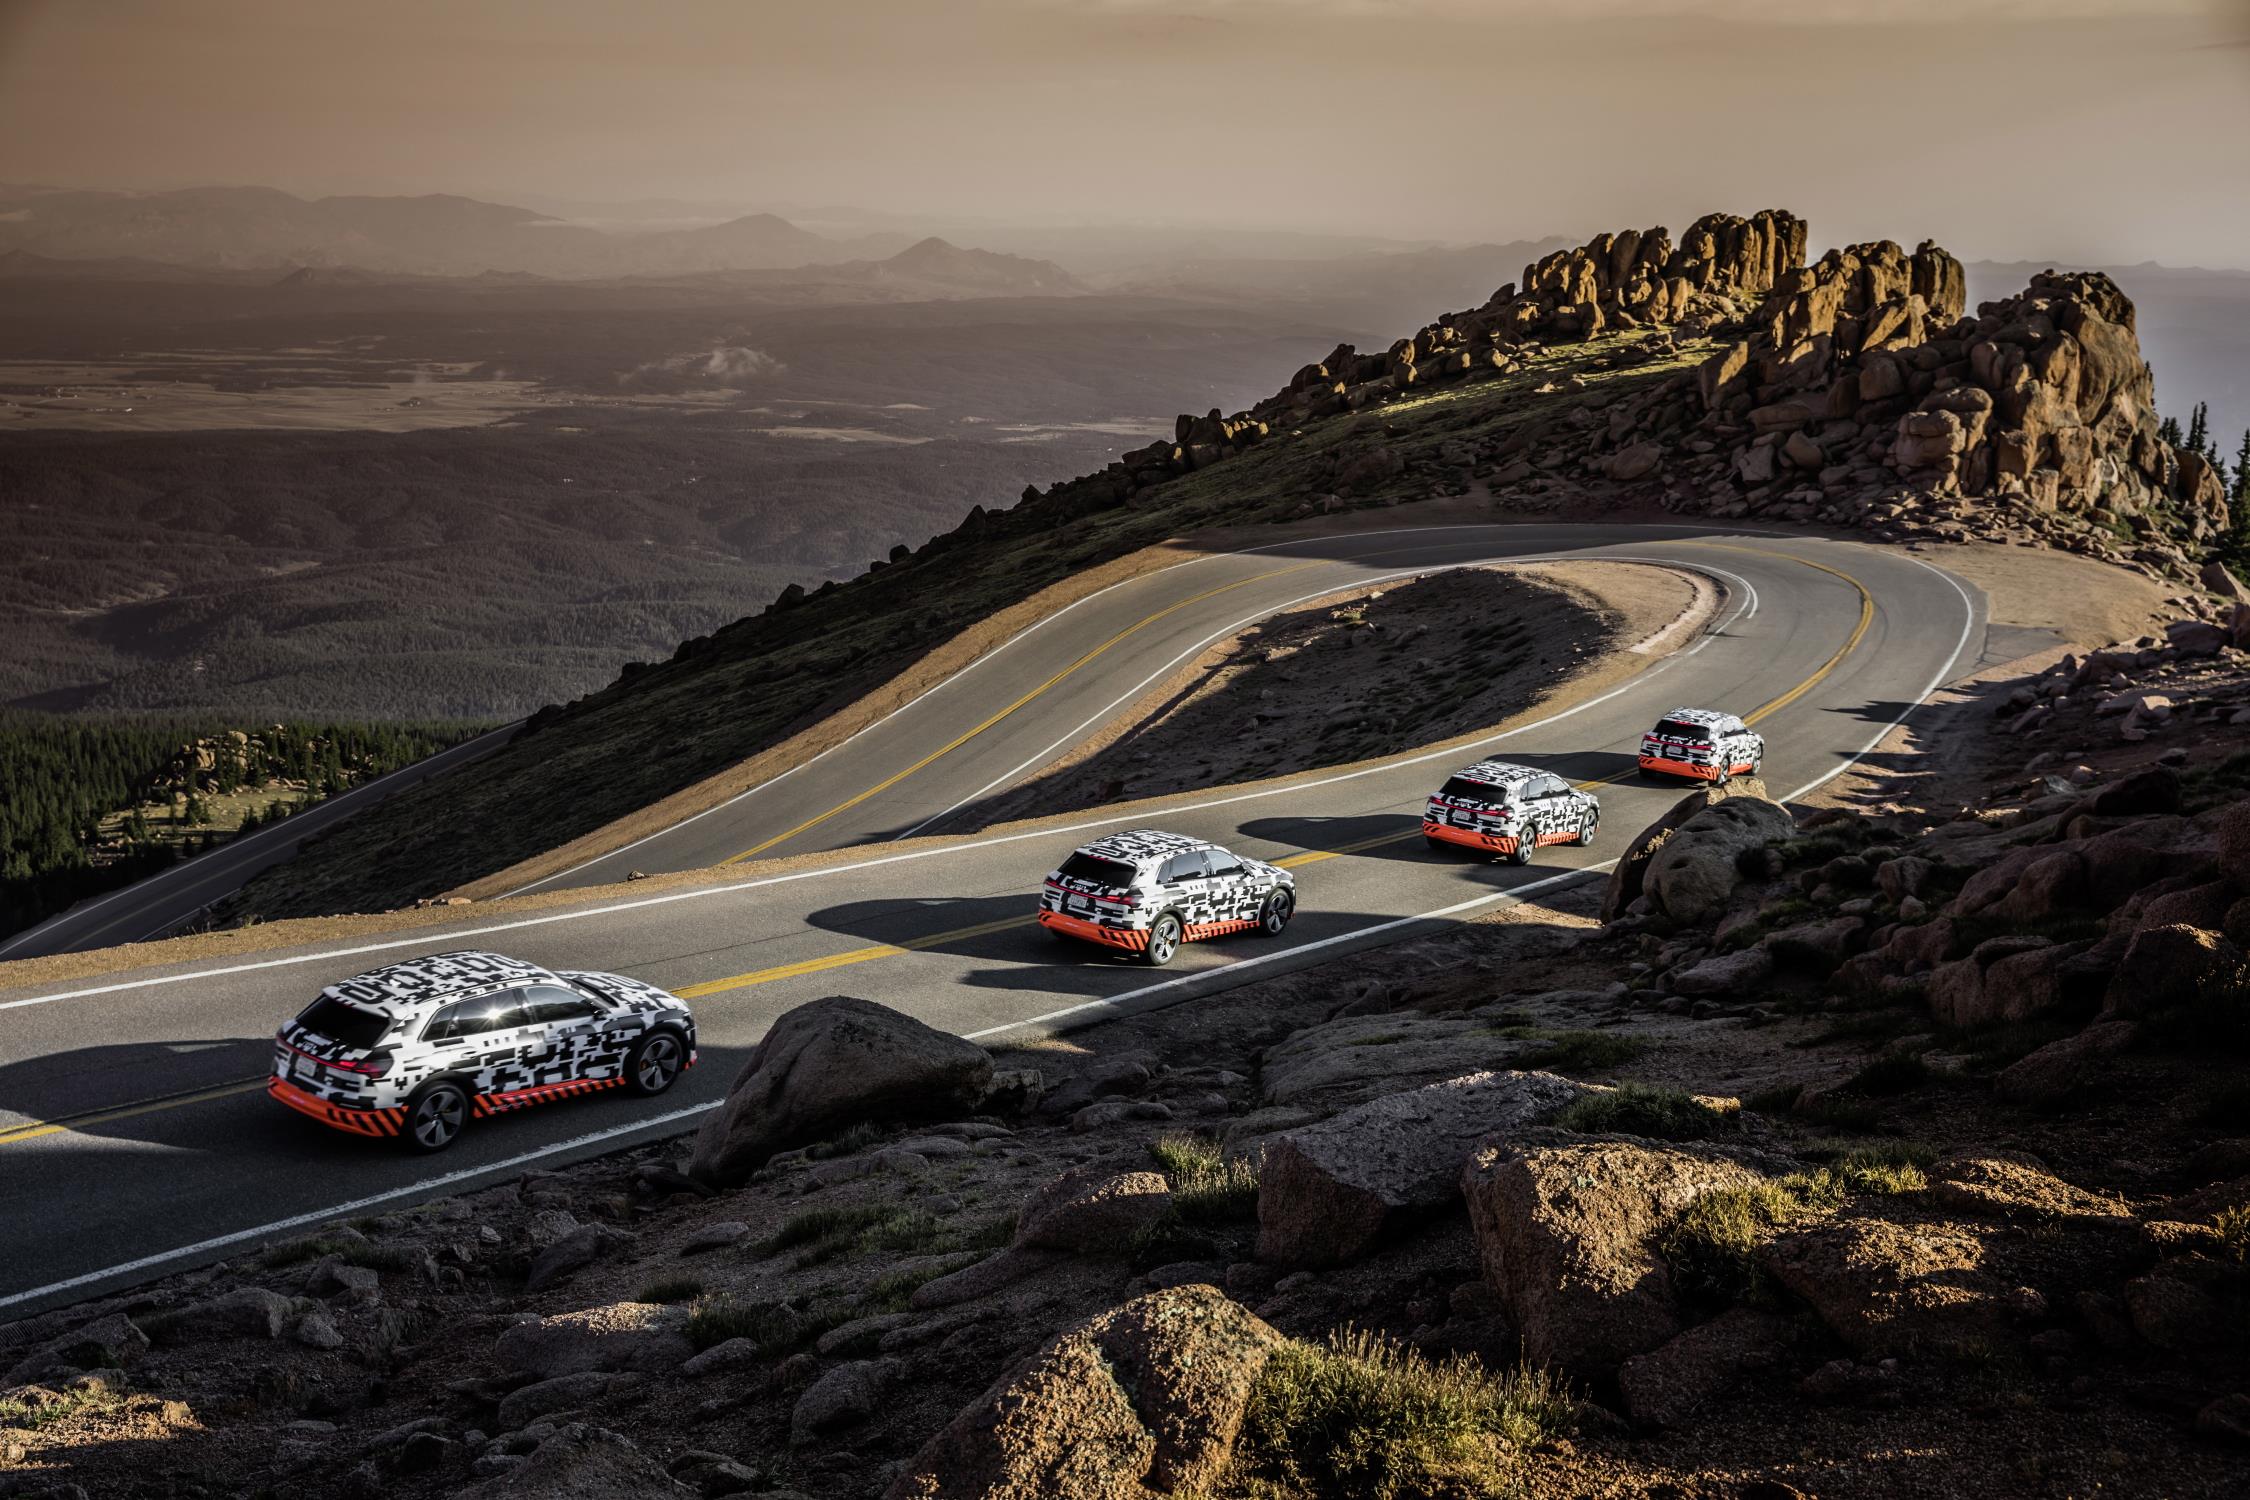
x: 1853, y: 391
x: 1898, y: 1148
x: 1717, y: 375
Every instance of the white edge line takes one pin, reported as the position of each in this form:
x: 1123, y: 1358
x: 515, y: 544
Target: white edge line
x: 996, y: 651
x: 1102, y: 714
x: 1085, y: 1008
x: 296, y: 1221
x: 431, y: 1185
x: 1944, y: 673
x: 451, y: 934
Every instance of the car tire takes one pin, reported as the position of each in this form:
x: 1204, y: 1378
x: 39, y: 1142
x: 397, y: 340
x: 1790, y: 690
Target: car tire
x: 435, y: 1117
x: 1164, y: 937
x: 1274, y: 916
x: 1589, y: 828
x: 1721, y: 775
x: 656, y: 1062
x: 1521, y: 854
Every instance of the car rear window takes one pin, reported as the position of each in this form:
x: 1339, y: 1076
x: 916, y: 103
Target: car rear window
x: 1084, y: 866
x: 332, y: 1018
x: 1475, y: 791
x: 1677, y: 729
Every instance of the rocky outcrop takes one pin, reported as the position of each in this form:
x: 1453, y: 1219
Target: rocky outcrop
x: 1566, y: 1236
x: 1889, y: 1288
x: 1142, y: 1400
x: 830, y: 1064
x: 1628, y: 882
x: 1091, y: 1211
x: 1664, y: 1387
x: 1689, y: 875
x: 642, y: 1336
x: 1326, y: 1191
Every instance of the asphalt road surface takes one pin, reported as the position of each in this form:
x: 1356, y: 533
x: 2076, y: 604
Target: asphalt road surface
x: 135, y: 1138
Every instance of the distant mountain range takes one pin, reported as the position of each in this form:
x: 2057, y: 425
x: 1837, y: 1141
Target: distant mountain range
x: 255, y: 228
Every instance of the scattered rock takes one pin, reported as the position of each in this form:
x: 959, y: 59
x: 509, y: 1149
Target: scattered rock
x: 1147, y: 1396
x: 2010, y: 1185
x: 642, y: 1336
x: 1326, y: 1191
x: 1664, y: 1387
x: 829, y: 1064
x: 845, y: 1395
x: 1886, y: 1288
x: 1565, y: 1236
x: 1092, y: 1211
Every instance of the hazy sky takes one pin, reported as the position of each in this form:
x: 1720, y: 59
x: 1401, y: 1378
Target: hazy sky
x: 2089, y: 130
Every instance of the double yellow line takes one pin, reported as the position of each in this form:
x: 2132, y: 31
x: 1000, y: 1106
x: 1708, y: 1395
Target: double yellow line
x: 962, y: 739
x: 876, y: 951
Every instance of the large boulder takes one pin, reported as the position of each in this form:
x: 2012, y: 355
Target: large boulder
x: 1566, y: 1236
x: 1889, y: 1288
x: 1326, y: 1191
x: 583, y: 1462
x: 830, y: 1064
x: 2012, y: 1186
x: 1092, y: 1210
x: 2169, y: 966
x: 1143, y: 1400
x: 643, y: 1336
x: 1629, y: 880
x: 1687, y: 867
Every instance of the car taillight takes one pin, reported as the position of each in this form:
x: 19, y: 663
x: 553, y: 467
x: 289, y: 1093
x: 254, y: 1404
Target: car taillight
x: 1125, y: 902
x: 374, y: 1067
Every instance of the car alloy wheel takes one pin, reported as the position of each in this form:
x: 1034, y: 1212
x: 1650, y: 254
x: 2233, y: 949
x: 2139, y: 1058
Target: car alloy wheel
x: 1163, y: 941
x: 1587, y: 828
x: 1279, y: 908
x: 437, y: 1117
x: 656, y: 1062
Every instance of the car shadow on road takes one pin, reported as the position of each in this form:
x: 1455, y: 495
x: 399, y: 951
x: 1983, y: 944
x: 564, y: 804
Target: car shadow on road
x: 208, y: 1096
x: 971, y: 926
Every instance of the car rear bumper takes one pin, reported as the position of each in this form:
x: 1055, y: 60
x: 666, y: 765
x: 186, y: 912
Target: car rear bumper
x: 1131, y: 940
x: 1495, y: 843
x: 1689, y: 768
x: 382, y: 1123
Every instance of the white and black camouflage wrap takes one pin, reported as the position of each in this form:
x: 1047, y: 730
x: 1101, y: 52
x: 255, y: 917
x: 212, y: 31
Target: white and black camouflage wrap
x: 558, y: 1034
x: 1211, y: 890
x: 1506, y: 809
x: 1702, y: 743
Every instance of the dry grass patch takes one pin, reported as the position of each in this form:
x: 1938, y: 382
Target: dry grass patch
x: 1208, y: 1187
x: 1361, y: 1417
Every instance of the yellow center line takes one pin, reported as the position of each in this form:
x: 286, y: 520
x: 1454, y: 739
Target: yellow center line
x: 853, y: 956
x: 939, y: 939
x: 36, y: 1128
x: 1866, y: 618
x: 957, y: 742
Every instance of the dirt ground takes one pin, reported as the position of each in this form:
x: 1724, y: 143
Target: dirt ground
x: 1417, y: 663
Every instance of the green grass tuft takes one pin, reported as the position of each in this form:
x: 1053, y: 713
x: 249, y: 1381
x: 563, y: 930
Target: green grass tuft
x: 858, y: 1138
x: 43, y: 1411
x: 1361, y: 1417
x: 2234, y: 1232
x: 671, y: 1289
x: 1207, y: 1186
x: 1666, y: 1114
x: 1711, y: 1247
x: 1583, y: 1051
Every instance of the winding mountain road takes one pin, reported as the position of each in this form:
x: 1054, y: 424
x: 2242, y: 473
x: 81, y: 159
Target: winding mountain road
x: 134, y: 1137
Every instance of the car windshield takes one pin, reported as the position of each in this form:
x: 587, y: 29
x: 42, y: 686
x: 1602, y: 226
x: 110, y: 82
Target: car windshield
x: 1680, y: 729
x: 1473, y: 791
x: 1092, y: 867
x: 332, y: 1018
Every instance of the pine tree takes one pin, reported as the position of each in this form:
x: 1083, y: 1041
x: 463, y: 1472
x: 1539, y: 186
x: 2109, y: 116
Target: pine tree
x: 2168, y: 431
x: 2241, y: 494
x: 2199, y: 427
